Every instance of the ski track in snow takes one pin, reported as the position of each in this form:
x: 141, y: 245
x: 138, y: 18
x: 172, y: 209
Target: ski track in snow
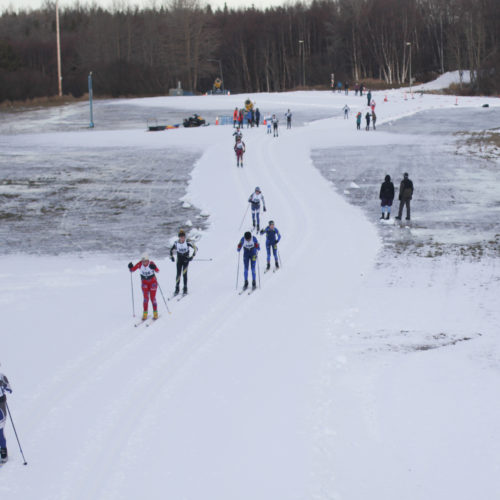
x: 269, y: 396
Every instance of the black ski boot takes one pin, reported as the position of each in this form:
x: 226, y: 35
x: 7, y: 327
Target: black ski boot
x: 268, y: 266
x: 277, y: 265
x: 3, y: 455
x: 254, y: 285
x: 245, y: 285
x: 184, y: 291
x: 388, y: 216
x: 176, y: 292
x: 382, y: 216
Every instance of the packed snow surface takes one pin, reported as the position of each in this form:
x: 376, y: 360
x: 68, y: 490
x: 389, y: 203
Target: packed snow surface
x: 360, y: 370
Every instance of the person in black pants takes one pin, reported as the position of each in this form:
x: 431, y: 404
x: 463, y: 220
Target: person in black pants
x: 182, y: 246
x: 405, y: 196
x: 386, y: 197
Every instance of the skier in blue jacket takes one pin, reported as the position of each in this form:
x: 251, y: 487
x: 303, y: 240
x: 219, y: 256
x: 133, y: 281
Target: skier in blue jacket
x: 250, y: 247
x: 273, y: 237
x: 4, y: 387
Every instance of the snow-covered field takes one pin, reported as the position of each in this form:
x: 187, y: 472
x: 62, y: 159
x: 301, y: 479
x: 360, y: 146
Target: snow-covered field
x: 361, y: 370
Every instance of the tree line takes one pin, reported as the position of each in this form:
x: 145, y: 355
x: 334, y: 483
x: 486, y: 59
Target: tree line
x: 133, y: 51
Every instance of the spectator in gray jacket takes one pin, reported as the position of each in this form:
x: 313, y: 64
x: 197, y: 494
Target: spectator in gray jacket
x: 405, y: 196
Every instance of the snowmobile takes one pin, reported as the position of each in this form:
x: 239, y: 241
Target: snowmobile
x: 194, y: 121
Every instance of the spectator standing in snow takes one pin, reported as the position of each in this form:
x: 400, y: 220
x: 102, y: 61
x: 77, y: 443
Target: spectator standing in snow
x: 361, y: 88
x: 240, y: 117
x: 405, y: 196
x: 250, y: 247
x: 239, y: 149
x: 4, y: 388
x: 257, y: 117
x: 149, y: 284
x: 374, y: 120
x: 369, y: 97
x: 346, y: 88
x: 235, y: 117
x: 358, y: 120
x: 273, y: 237
x: 339, y: 87
x: 181, y: 247
x: 275, y: 121
x: 288, y: 116
x: 346, y: 109
x: 386, y: 196
x: 268, y: 124
x: 356, y: 88
x: 367, y: 118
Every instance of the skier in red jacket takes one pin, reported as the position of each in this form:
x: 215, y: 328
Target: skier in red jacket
x: 149, y: 284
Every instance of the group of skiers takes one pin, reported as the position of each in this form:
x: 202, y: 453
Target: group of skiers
x: 250, y: 244
x: 147, y: 269
x: 387, y: 197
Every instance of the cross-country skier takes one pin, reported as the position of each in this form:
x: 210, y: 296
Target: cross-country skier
x: 268, y: 121
x: 346, y: 109
x: 255, y: 198
x: 239, y: 149
x: 149, y: 284
x: 288, y: 116
x: 374, y: 120
x: 250, y: 247
x: 358, y: 120
x: 4, y: 387
x: 237, y: 134
x: 386, y: 196
x: 273, y: 237
x: 182, y: 246
x: 275, y: 121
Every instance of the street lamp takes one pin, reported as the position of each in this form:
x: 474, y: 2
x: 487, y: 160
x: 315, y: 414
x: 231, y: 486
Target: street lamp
x: 409, y: 45
x: 58, y: 39
x: 220, y: 69
x: 301, y: 47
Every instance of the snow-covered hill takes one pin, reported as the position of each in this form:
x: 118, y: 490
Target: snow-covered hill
x: 350, y: 374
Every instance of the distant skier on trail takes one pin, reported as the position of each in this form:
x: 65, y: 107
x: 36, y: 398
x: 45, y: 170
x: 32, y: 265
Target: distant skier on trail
x: 374, y: 120
x: 149, y: 284
x: 346, y: 109
x: 386, y: 197
x: 251, y: 248
x: 255, y: 199
x: 273, y: 237
x: 288, y: 116
x: 237, y: 134
x: 182, y: 246
x: 4, y: 388
x: 239, y: 149
x: 275, y: 121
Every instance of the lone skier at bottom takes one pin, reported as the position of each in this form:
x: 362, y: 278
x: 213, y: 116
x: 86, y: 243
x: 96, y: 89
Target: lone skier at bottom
x: 273, y: 237
x: 251, y: 247
x: 4, y: 387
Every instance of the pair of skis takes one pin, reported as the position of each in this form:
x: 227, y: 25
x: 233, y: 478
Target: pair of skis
x: 147, y: 321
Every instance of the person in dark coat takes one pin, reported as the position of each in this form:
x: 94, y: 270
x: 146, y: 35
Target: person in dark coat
x: 386, y: 197
x: 257, y: 117
x: 369, y: 98
x: 374, y: 120
x: 367, y: 118
x: 405, y: 196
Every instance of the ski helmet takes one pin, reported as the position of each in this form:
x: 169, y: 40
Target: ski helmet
x: 248, y: 235
x: 271, y: 222
x: 257, y: 189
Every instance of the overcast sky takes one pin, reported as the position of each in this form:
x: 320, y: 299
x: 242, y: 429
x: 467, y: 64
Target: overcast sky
x: 35, y: 4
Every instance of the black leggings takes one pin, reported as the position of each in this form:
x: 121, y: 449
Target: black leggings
x: 182, y: 268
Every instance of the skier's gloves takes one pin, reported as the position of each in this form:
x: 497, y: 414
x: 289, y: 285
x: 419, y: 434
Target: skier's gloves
x: 172, y: 258
x: 152, y: 266
x: 130, y: 265
x: 191, y: 258
x: 275, y: 247
x: 265, y: 209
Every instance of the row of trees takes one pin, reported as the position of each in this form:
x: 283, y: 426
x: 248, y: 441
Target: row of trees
x: 134, y: 51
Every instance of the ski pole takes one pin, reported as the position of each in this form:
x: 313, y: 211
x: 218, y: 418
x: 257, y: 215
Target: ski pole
x: 203, y: 260
x: 279, y: 258
x: 238, y: 271
x: 258, y: 268
x: 159, y: 287
x: 132, y: 289
x: 15, y: 432
x: 243, y: 220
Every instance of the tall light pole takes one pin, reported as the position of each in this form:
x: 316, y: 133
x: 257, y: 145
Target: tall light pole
x: 58, y: 37
x: 409, y: 45
x: 301, y: 48
x: 220, y: 69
